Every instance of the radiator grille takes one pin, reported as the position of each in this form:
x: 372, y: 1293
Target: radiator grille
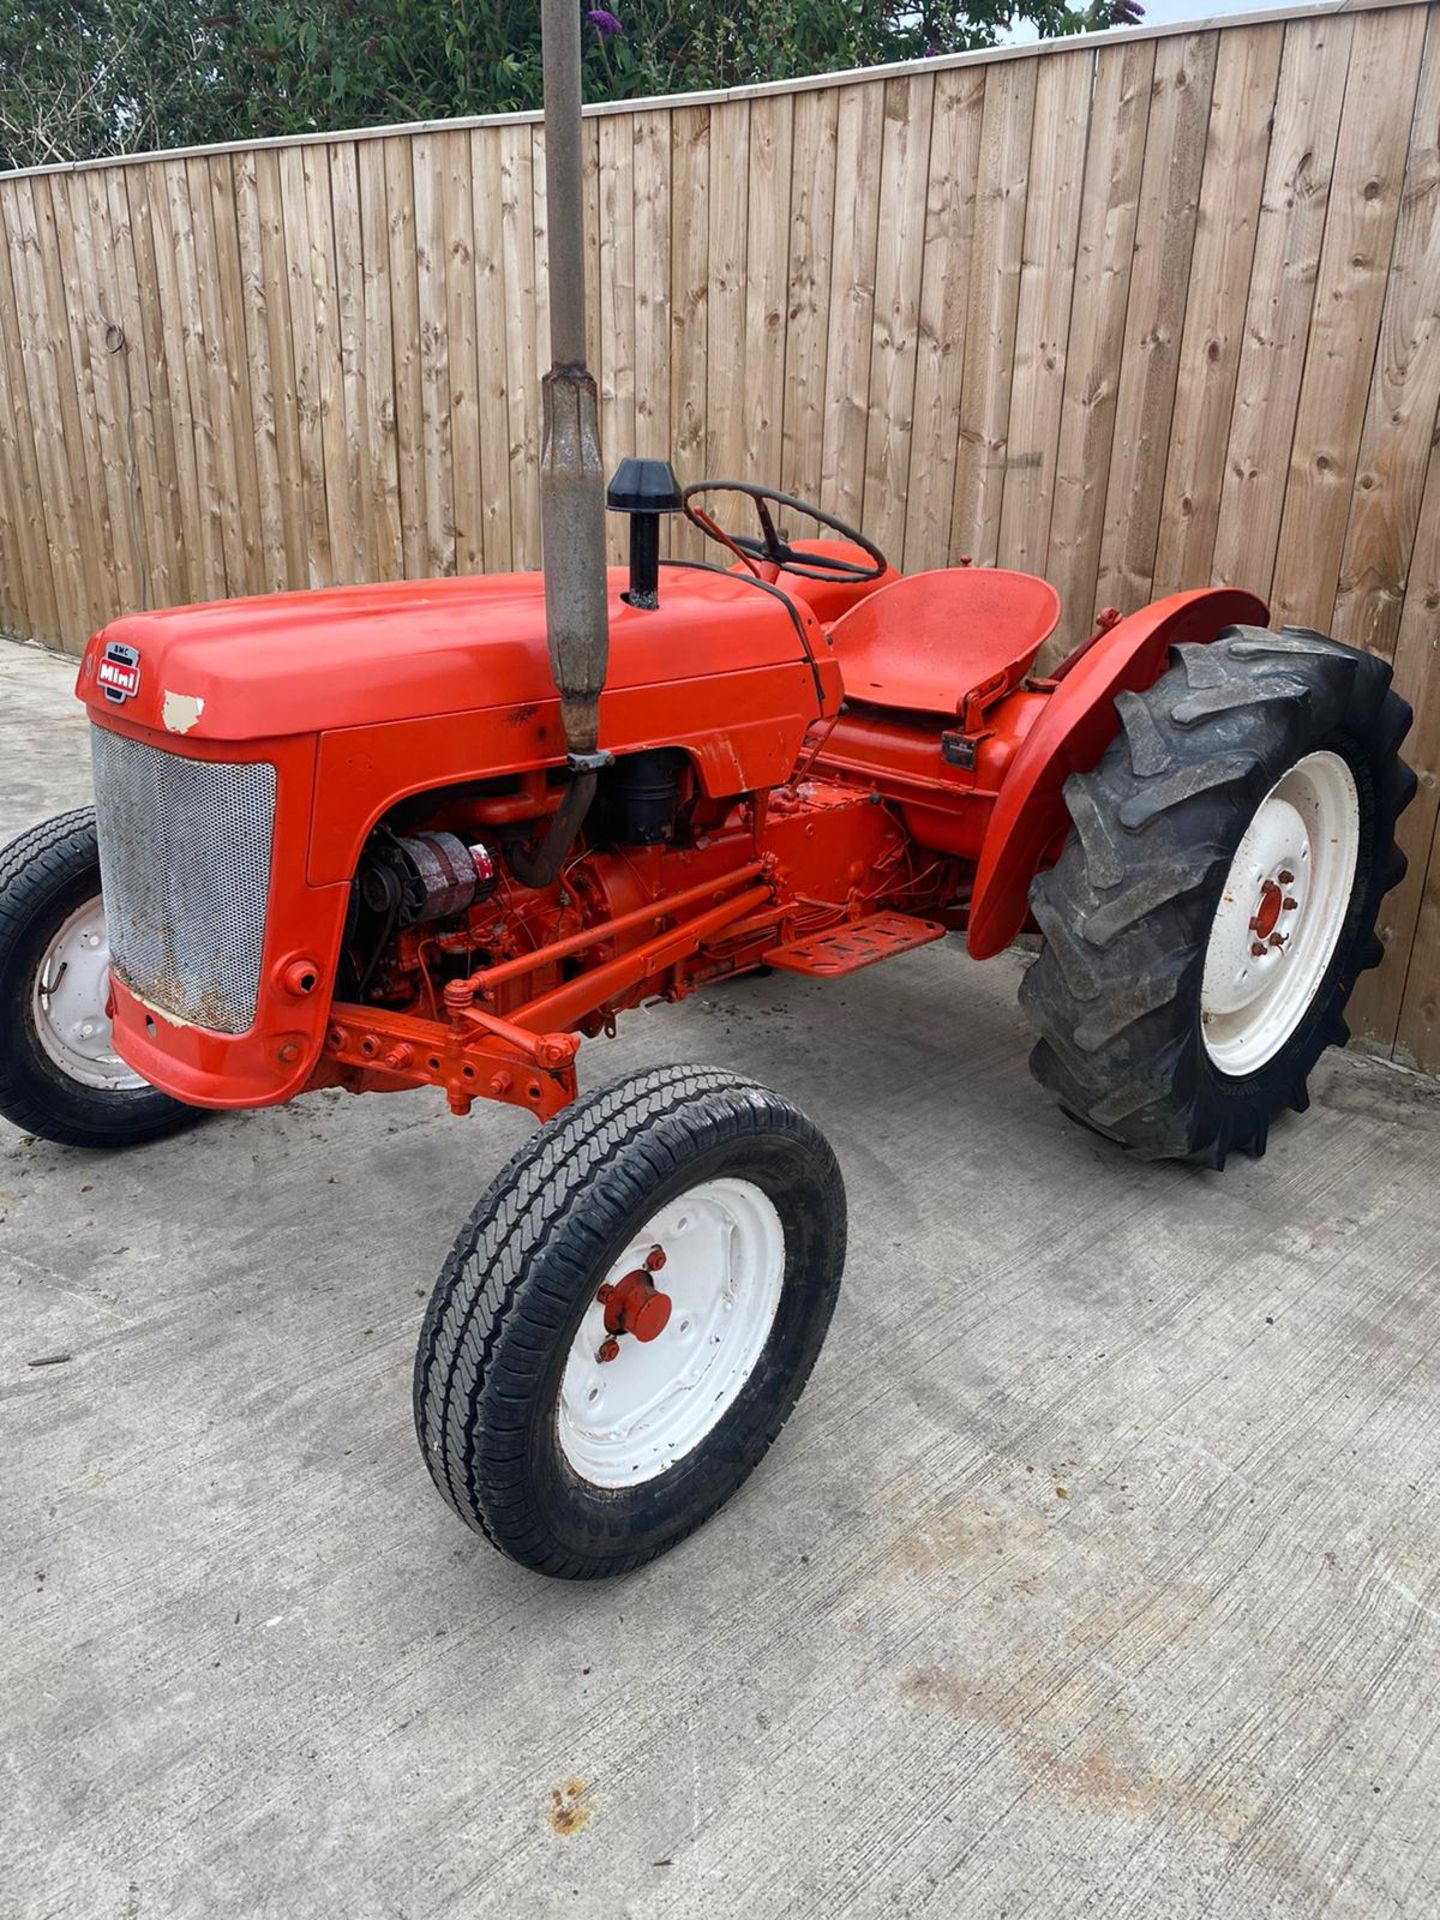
x: 185, y: 868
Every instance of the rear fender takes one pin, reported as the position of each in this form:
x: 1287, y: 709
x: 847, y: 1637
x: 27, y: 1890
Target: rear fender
x: 1078, y: 723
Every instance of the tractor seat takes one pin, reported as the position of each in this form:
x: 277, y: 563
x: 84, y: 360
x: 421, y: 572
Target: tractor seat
x: 925, y: 642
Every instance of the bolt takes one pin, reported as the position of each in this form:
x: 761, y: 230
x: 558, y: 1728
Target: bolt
x: 1277, y: 939
x: 607, y: 1292
x: 609, y: 1349
x: 500, y: 1084
x: 1257, y: 949
x: 1285, y: 876
x: 1289, y: 903
x: 655, y: 1259
x: 288, y: 1052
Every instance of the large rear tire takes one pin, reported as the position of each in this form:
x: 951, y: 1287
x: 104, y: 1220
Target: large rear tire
x: 60, y: 1076
x: 1217, y: 897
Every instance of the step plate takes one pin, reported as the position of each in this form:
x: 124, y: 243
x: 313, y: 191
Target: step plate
x: 860, y: 943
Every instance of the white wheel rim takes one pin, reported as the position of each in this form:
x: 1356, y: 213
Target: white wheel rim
x: 71, y: 986
x: 628, y: 1419
x: 1281, y: 913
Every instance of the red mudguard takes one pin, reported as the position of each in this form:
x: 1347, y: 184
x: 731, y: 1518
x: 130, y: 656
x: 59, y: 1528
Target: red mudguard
x: 1078, y: 723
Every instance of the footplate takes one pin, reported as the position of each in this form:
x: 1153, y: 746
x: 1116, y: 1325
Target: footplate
x: 859, y: 943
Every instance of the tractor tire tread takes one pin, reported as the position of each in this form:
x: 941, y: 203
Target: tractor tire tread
x: 1125, y: 911
x: 497, y: 1309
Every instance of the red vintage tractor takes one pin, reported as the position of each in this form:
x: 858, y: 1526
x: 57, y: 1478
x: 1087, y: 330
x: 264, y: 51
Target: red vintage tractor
x: 383, y: 838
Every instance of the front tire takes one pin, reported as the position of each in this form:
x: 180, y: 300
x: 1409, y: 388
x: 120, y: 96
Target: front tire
x: 1217, y: 897
x: 628, y: 1318
x: 60, y: 1077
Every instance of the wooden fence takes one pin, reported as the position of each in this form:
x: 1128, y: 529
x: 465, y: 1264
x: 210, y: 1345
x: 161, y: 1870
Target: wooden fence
x: 1136, y: 312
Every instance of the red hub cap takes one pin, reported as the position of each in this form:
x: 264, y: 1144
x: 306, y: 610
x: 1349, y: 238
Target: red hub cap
x: 634, y: 1305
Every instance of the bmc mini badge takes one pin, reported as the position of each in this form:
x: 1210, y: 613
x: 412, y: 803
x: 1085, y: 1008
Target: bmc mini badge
x: 119, y: 671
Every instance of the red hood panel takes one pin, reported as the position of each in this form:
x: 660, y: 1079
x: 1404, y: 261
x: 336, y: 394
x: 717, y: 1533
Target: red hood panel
x: 353, y: 656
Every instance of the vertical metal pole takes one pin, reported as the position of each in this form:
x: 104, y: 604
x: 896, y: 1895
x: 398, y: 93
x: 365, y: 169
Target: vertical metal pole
x: 572, y: 475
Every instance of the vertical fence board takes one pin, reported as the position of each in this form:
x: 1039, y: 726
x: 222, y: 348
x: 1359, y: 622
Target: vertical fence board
x: 1042, y: 320
x: 380, y: 479
x: 997, y: 248
x: 305, y: 357
x: 729, y: 225
x: 1282, y: 284
x: 266, y: 375
x: 71, y: 274
x: 1349, y: 296
x: 812, y: 227
x: 492, y: 320
x: 457, y: 199
x: 1407, y: 987
x: 956, y: 120
x: 40, y: 603
x: 1404, y: 393
x: 1247, y: 68
x: 767, y: 261
x: 899, y: 267
x: 152, y: 418
x: 354, y: 402
x: 59, y: 484
x: 617, y: 301
x: 518, y: 450
x: 408, y: 367
x: 1154, y: 322
x: 859, y: 124
x: 438, y: 513
x: 651, y: 162
x: 183, y: 326
x: 689, y: 304
x: 1109, y: 207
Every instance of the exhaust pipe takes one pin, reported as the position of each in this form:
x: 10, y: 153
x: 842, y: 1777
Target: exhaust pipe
x: 572, y: 480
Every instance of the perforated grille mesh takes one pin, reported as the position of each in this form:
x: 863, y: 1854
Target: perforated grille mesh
x: 185, y: 868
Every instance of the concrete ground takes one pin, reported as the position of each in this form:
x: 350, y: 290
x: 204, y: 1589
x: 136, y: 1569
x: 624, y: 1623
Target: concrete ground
x: 1098, y: 1570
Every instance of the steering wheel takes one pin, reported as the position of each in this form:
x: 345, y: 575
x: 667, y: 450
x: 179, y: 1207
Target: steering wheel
x: 772, y: 544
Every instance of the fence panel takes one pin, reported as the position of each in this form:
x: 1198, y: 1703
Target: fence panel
x: 1137, y: 311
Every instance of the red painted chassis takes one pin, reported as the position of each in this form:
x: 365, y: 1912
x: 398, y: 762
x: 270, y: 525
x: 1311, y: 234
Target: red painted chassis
x: 850, y: 751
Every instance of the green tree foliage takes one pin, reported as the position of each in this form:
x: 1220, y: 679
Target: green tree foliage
x: 81, y: 78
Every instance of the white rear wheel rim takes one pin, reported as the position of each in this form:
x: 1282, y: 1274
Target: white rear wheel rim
x: 1281, y: 913
x: 68, y: 996
x: 626, y: 1420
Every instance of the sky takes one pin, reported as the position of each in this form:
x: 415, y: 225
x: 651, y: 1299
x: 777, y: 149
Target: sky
x: 1158, y: 12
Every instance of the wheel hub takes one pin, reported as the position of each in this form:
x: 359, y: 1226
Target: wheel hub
x: 69, y: 1001
x: 633, y: 1305
x: 630, y: 1408
x: 1281, y: 912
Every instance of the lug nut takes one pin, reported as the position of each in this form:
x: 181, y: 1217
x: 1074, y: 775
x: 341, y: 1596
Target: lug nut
x: 1285, y: 876
x: 609, y: 1349
x: 1289, y: 903
x: 655, y: 1259
x: 1258, y: 949
x: 1277, y: 939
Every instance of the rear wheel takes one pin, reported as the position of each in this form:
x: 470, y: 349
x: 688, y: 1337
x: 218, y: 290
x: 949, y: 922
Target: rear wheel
x: 1217, y: 897
x: 628, y: 1318
x: 60, y: 1076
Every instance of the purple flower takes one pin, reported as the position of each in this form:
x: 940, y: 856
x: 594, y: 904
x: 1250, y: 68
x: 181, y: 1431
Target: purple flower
x: 604, y: 22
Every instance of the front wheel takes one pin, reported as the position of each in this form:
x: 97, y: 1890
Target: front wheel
x: 1217, y: 897
x: 60, y: 1076
x: 628, y: 1318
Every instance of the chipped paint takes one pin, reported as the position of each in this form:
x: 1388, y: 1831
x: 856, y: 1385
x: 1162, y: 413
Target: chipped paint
x: 180, y: 711
x: 162, y: 1013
